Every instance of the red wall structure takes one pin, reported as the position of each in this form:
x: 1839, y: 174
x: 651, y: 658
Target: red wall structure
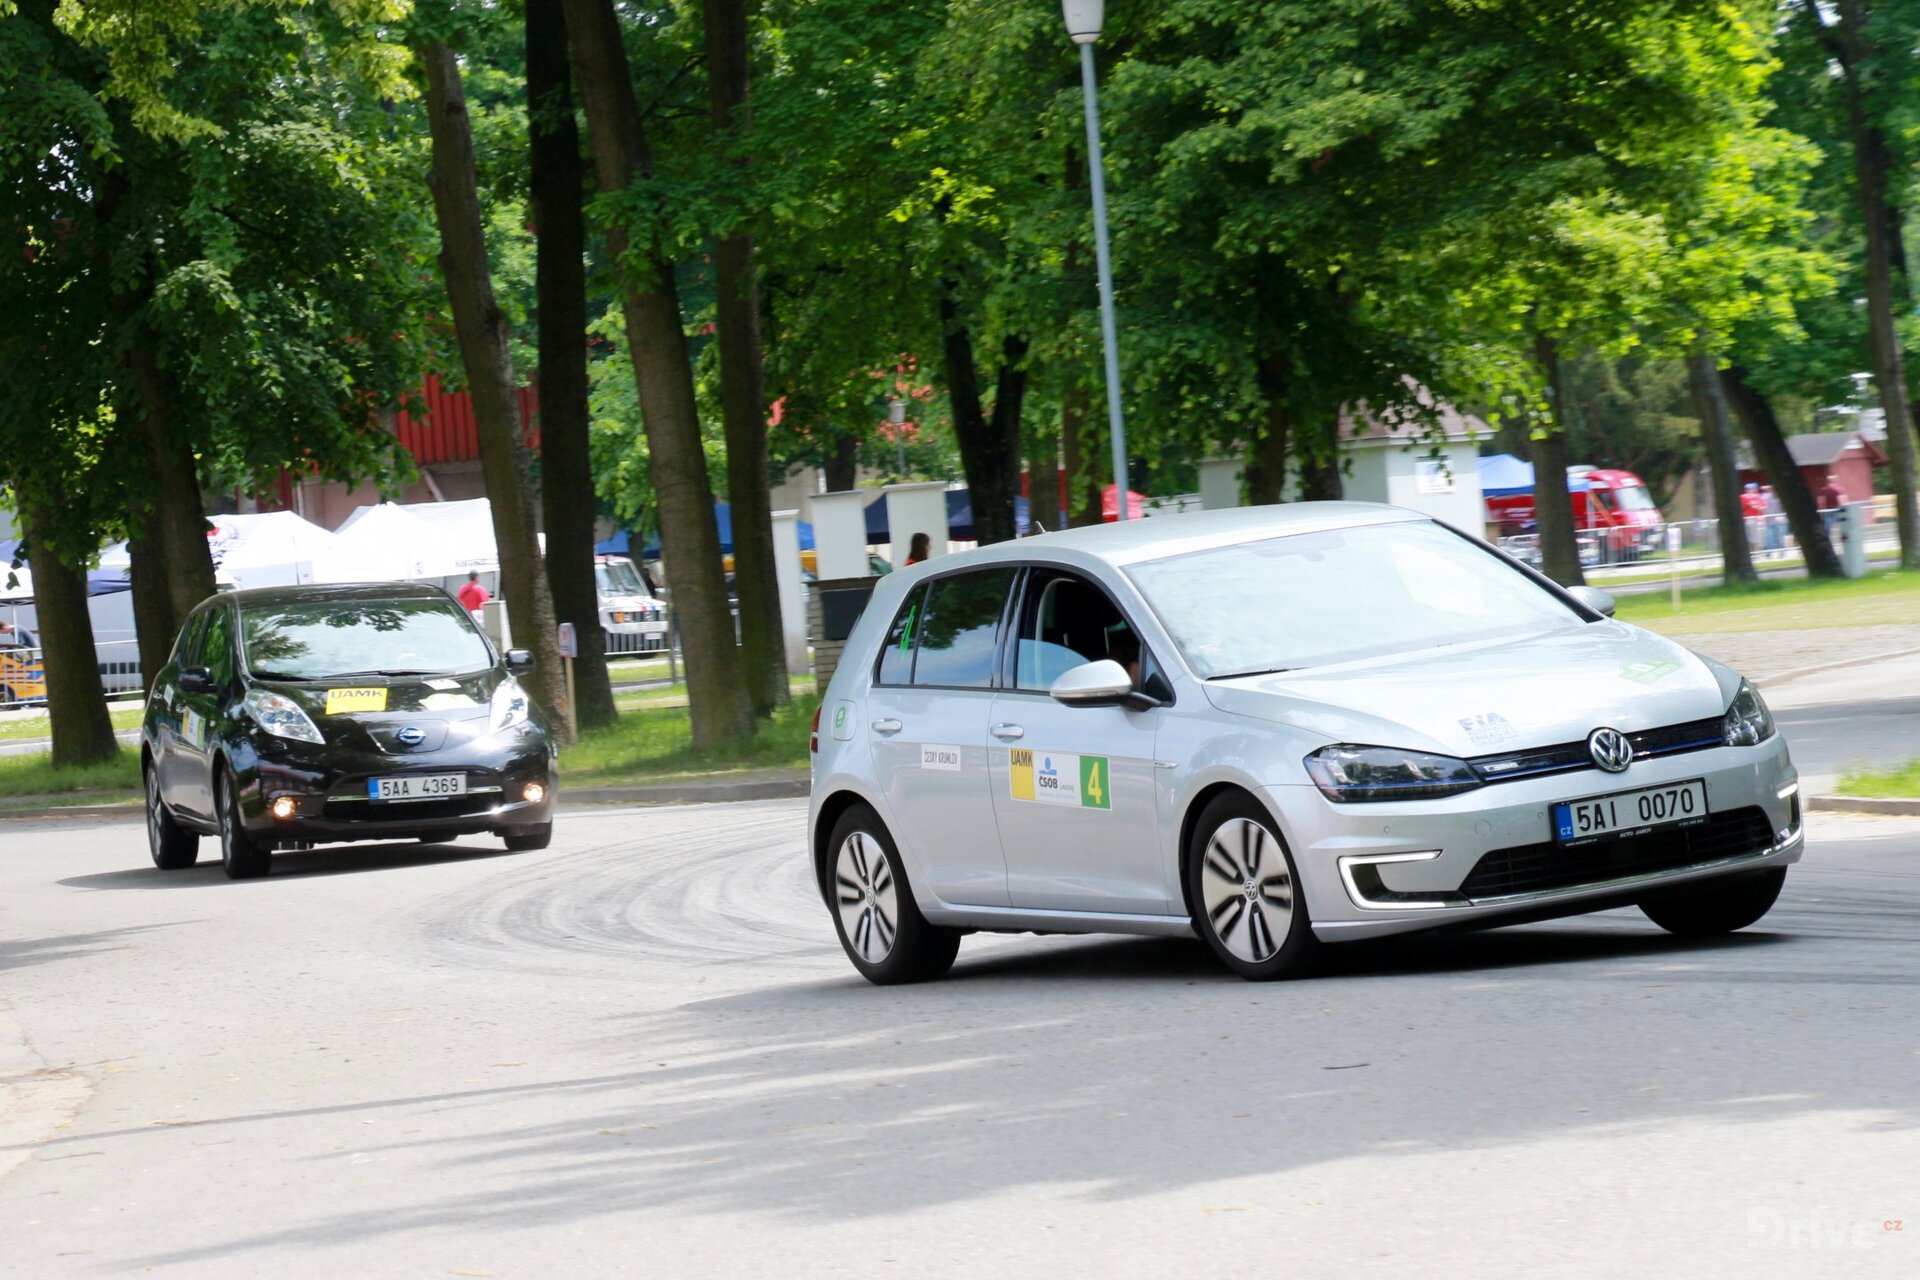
x: 445, y: 431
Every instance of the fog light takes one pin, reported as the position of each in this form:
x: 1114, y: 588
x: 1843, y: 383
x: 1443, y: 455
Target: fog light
x: 534, y: 792
x: 284, y: 806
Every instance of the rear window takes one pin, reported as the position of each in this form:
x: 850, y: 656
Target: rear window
x: 325, y: 640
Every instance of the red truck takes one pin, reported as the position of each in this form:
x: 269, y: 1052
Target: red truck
x: 1613, y: 514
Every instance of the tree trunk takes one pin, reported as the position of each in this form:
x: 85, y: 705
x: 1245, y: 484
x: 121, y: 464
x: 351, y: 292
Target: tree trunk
x: 1723, y: 464
x: 154, y: 626
x: 1081, y: 457
x: 1266, y: 470
x: 1872, y: 167
x: 1552, y: 506
x: 1770, y: 450
x: 1043, y: 480
x: 989, y: 446
x: 718, y: 703
x: 76, y: 700
x: 557, y: 186
x: 763, y: 656
x: 841, y: 462
x: 1320, y: 461
x: 178, y: 525
x: 480, y: 329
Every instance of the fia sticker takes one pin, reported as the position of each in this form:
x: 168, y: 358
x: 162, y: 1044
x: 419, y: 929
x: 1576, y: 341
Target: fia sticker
x: 935, y: 756
x: 341, y: 702
x: 1649, y: 672
x: 443, y: 684
x: 448, y: 702
x: 1055, y: 777
x: 1488, y: 729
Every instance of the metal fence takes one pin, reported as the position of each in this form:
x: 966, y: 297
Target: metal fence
x: 23, y: 673
x: 1769, y: 539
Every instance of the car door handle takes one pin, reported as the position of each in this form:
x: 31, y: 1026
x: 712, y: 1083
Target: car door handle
x: 888, y: 727
x: 1009, y: 731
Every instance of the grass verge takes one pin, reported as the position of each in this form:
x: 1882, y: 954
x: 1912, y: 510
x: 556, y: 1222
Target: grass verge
x: 655, y: 743
x: 1783, y: 604
x: 29, y: 727
x: 33, y: 774
x: 1883, y: 784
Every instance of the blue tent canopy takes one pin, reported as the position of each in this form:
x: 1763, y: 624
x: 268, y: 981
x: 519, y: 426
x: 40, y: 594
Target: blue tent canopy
x: 621, y: 543
x: 100, y: 582
x: 959, y: 518
x: 1502, y: 475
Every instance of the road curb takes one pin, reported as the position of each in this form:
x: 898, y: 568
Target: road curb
x: 120, y: 809
x: 1861, y: 804
x: 1802, y: 672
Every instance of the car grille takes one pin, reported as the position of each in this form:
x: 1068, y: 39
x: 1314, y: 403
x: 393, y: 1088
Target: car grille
x: 1570, y: 757
x: 403, y: 811
x: 1540, y: 868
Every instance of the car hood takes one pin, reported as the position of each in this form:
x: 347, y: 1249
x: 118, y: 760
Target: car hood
x: 1486, y: 698
x: 447, y: 709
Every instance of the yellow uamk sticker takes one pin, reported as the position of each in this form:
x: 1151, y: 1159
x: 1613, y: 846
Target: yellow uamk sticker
x: 1056, y: 777
x: 347, y: 701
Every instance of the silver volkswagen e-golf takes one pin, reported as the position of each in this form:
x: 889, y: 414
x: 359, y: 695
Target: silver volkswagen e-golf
x: 1276, y: 728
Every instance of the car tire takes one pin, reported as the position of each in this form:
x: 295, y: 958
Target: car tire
x: 879, y: 924
x: 1716, y: 907
x: 1244, y: 893
x: 174, y: 848
x: 7, y: 696
x: 533, y: 838
x: 243, y: 857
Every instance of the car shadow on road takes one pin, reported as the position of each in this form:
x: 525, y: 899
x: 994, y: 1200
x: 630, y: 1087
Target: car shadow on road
x: 20, y: 952
x: 325, y: 861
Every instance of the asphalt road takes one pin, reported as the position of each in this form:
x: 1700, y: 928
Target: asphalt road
x: 641, y: 1053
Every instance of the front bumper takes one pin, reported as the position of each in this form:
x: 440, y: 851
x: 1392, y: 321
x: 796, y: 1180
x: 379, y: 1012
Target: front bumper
x: 1487, y: 857
x: 331, y: 805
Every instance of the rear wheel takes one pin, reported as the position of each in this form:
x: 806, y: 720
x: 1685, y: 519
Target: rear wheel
x: 1716, y: 907
x: 879, y: 924
x: 1245, y: 894
x: 173, y: 846
x: 532, y: 838
x: 243, y: 857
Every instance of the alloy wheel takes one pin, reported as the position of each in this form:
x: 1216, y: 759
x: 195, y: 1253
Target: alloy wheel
x: 1247, y: 890
x: 868, y: 897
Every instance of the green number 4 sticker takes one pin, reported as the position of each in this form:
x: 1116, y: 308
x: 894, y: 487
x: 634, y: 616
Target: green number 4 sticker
x: 1095, y: 778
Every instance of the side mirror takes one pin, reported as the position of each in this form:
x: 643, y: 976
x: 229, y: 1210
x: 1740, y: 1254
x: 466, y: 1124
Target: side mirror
x: 1595, y: 599
x: 519, y: 661
x: 1093, y: 684
x: 196, y: 680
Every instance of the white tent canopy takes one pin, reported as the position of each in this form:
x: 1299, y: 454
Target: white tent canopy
x: 409, y: 546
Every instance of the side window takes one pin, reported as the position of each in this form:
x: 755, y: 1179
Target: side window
x: 896, y: 655
x: 1066, y: 621
x: 956, y: 646
x: 187, y: 649
x: 217, y: 648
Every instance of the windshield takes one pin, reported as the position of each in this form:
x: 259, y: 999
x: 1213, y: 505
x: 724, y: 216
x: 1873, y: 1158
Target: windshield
x: 326, y: 639
x: 1318, y: 598
x: 1633, y: 498
x: 619, y: 578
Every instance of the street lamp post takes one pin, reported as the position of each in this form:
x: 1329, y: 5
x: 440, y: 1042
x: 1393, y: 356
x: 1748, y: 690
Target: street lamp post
x: 897, y: 415
x: 1083, y: 25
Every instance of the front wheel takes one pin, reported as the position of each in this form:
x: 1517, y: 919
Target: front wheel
x: 1245, y: 893
x: 1716, y: 907
x: 880, y: 925
x: 174, y: 848
x: 243, y: 857
x: 530, y: 839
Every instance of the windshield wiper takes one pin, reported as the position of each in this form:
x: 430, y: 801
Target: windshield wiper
x: 1258, y: 671
x: 283, y: 676
x: 386, y: 671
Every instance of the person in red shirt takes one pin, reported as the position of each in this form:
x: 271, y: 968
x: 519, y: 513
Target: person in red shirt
x: 472, y: 594
x: 919, y: 548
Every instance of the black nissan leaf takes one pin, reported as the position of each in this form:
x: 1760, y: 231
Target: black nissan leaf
x: 292, y: 716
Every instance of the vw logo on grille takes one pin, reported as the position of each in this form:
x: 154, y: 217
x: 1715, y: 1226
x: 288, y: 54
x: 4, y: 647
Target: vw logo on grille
x: 1610, y: 750
x: 412, y: 737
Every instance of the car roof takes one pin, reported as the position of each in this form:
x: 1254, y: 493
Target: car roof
x: 335, y: 593
x: 1156, y: 537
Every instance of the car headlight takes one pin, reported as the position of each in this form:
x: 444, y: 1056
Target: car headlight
x: 509, y: 706
x: 281, y: 716
x: 1350, y: 774
x: 1748, y: 723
